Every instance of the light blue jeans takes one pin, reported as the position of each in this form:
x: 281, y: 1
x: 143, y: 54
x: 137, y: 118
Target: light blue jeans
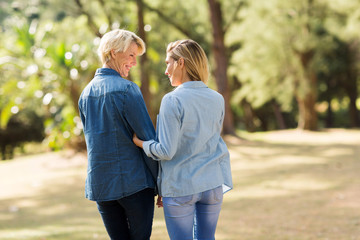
x: 194, y: 216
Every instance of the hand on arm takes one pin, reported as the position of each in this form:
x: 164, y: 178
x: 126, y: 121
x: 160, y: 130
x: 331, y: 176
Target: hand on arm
x: 137, y: 141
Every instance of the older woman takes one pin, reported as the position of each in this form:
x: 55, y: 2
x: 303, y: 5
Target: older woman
x: 195, y: 163
x: 120, y: 177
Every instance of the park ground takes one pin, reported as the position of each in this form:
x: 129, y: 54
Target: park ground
x: 288, y: 185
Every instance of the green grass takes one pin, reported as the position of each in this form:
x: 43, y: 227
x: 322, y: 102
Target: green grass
x: 288, y: 185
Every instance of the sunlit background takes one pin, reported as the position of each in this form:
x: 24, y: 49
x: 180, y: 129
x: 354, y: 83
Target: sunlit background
x: 282, y: 65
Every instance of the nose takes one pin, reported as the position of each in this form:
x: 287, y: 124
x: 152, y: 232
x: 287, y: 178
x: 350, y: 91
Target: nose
x: 134, y: 62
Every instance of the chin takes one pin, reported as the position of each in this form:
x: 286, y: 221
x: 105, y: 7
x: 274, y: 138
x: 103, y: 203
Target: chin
x: 173, y: 83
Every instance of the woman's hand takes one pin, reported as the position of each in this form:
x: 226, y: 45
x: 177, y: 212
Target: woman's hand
x: 159, y: 202
x: 137, y: 141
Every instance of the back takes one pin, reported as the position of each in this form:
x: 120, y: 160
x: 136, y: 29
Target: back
x: 112, y: 109
x: 201, y: 112
x: 194, y: 156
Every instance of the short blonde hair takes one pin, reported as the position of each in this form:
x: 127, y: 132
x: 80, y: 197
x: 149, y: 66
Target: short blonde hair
x: 195, y: 60
x: 118, y: 40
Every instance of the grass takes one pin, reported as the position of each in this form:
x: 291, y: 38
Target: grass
x: 288, y: 185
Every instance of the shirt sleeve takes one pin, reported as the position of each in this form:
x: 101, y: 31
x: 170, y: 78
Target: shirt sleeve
x: 222, y: 110
x: 139, y: 120
x: 81, y: 114
x: 169, y: 127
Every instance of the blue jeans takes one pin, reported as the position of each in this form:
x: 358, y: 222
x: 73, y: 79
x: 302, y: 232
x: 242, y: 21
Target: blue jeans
x: 129, y: 217
x: 200, y: 210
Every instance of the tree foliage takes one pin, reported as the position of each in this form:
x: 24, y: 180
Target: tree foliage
x: 285, y: 46
x: 285, y: 63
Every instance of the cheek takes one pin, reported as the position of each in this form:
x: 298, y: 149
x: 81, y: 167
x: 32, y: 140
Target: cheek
x: 120, y: 62
x: 171, y: 69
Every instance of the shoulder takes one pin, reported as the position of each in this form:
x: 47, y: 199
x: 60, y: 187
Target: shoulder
x: 131, y: 86
x: 171, y: 98
x: 87, y: 90
x: 122, y: 85
x: 132, y: 92
x: 171, y: 103
x: 215, y: 95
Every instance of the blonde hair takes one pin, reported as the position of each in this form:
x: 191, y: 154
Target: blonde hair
x: 195, y: 60
x: 118, y: 40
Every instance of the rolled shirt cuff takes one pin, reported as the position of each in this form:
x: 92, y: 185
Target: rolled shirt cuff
x: 146, y: 147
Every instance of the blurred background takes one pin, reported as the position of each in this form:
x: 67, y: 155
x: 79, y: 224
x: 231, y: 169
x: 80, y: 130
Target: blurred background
x: 289, y: 71
x: 279, y: 64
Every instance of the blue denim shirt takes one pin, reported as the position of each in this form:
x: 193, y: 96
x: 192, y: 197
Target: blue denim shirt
x: 194, y: 157
x: 112, y: 109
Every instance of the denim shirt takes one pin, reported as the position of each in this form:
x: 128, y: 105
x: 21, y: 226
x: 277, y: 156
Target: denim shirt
x: 112, y: 109
x: 193, y: 156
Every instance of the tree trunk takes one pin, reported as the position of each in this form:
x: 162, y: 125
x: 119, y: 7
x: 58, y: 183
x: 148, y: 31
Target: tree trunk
x: 219, y: 51
x: 353, y: 111
x: 351, y: 85
x: 307, y: 113
x: 329, y: 114
x: 144, y: 63
x: 248, y: 116
x: 278, y: 115
x: 351, y: 91
x: 307, y: 96
x: 306, y: 101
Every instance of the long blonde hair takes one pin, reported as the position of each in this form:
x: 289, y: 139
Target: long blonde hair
x: 195, y: 60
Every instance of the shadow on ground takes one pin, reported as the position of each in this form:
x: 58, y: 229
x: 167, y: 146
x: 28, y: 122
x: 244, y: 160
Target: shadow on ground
x: 283, y: 190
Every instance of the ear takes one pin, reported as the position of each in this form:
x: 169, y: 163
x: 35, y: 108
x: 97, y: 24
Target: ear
x: 112, y: 52
x: 181, y: 62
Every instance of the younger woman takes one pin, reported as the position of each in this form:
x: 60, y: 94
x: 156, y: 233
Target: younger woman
x: 195, y: 164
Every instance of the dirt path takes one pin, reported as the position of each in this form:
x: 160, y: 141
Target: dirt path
x: 288, y: 185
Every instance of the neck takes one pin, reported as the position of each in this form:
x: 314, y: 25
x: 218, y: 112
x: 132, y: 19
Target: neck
x: 185, y: 78
x: 111, y: 65
x: 108, y: 65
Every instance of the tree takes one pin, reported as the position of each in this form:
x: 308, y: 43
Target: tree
x: 274, y: 61
x: 344, y: 26
x: 304, y: 49
x: 337, y: 75
x: 220, y: 52
x: 144, y: 66
x: 221, y: 59
x: 282, y: 43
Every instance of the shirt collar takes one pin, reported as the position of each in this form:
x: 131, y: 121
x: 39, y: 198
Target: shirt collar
x: 193, y: 84
x: 106, y: 71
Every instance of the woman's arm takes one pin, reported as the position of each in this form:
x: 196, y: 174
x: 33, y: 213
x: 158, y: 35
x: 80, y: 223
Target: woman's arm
x: 139, y: 120
x: 165, y: 146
